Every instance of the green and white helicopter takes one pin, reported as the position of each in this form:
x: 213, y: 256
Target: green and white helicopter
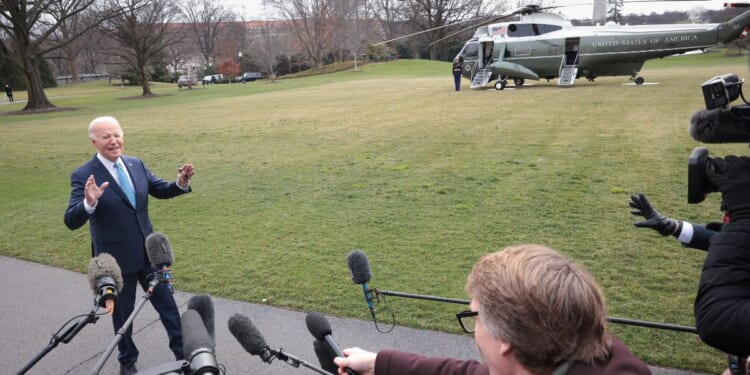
x: 545, y: 45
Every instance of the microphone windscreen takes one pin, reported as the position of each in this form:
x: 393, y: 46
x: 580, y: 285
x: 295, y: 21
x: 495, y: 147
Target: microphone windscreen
x: 205, y: 307
x: 359, y: 267
x: 104, y: 265
x: 318, y: 325
x: 247, y: 334
x: 159, y: 250
x: 721, y: 125
x: 194, y: 334
x: 325, y: 356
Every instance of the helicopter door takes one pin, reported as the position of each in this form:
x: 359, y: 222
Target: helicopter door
x: 485, y: 51
x: 569, y: 64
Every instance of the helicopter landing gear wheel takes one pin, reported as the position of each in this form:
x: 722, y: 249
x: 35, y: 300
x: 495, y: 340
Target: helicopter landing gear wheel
x: 639, y: 80
x: 518, y: 81
x: 500, y: 85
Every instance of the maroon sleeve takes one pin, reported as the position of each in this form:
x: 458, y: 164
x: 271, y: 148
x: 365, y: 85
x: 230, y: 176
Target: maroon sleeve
x: 622, y: 362
x: 392, y: 362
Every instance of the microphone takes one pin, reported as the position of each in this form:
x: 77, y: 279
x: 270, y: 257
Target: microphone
x: 252, y: 341
x: 325, y: 356
x: 249, y: 337
x: 721, y: 125
x: 160, y: 256
x: 197, y: 344
x: 205, y: 307
x: 318, y: 326
x: 359, y: 268
x: 105, y: 279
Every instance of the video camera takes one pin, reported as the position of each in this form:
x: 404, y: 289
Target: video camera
x: 718, y: 123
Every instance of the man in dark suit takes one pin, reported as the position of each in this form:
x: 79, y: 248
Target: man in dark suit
x: 111, y: 192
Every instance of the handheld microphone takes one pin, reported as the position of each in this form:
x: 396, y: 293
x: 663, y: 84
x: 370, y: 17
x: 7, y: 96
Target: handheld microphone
x: 105, y: 279
x: 359, y: 268
x: 318, y: 326
x: 325, y: 356
x: 249, y: 337
x: 160, y: 256
x: 205, y: 307
x: 197, y: 344
x: 721, y: 125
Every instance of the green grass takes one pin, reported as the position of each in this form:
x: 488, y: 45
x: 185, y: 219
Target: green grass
x: 293, y: 175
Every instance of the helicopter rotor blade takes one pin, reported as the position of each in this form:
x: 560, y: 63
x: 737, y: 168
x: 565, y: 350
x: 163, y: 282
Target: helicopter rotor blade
x: 528, y: 9
x: 431, y: 29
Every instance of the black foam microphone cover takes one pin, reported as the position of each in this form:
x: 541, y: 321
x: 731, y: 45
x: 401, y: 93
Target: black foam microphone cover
x: 205, y: 307
x: 318, y: 325
x: 159, y: 250
x: 325, y: 356
x: 359, y: 267
x: 197, y: 344
x: 249, y: 337
x: 721, y: 125
x: 103, y: 266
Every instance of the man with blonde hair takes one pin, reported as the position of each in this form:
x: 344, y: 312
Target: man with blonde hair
x: 532, y: 312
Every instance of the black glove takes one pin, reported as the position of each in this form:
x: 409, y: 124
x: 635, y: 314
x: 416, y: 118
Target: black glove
x: 731, y: 177
x: 654, y: 220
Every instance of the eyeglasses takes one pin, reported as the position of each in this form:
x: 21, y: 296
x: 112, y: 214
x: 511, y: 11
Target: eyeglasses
x: 467, y: 319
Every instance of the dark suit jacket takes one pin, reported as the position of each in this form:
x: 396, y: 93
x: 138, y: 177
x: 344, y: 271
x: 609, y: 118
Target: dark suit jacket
x: 116, y: 227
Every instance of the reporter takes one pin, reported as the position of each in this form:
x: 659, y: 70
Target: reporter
x: 532, y: 311
x: 722, y: 304
x: 696, y: 236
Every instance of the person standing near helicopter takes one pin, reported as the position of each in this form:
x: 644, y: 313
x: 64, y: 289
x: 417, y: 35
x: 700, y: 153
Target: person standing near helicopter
x: 458, y: 68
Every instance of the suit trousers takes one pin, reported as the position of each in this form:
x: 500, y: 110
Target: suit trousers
x: 163, y: 303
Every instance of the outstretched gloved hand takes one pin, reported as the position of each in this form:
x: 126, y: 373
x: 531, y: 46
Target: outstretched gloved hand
x: 654, y: 220
x: 731, y: 177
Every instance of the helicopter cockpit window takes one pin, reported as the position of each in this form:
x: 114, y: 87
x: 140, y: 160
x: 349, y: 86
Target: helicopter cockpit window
x: 471, y: 50
x: 520, y: 29
x: 530, y: 29
x: 544, y: 29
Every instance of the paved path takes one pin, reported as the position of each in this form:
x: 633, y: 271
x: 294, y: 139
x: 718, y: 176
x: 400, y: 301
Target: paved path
x: 36, y: 300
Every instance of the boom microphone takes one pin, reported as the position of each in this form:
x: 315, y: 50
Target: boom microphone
x: 318, y: 326
x: 203, y: 305
x: 359, y: 268
x: 197, y: 344
x: 105, y: 279
x: 721, y: 125
x: 249, y: 337
x: 160, y: 256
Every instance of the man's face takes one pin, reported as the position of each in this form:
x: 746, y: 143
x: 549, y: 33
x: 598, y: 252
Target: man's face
x: 108, y: 140
x: 492, y: 351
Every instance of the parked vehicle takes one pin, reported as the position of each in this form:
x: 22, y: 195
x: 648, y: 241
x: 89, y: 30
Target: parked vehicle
x: 186, y: 81
x: 249, y: 77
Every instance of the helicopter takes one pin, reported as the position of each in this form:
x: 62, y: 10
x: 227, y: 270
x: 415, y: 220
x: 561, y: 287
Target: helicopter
x: 546, y: 45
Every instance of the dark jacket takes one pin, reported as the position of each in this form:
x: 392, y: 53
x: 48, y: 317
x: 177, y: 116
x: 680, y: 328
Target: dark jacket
x: 391, y: 362
x: 458, y: 67
x: 722, y: 303
x: 116, y: 227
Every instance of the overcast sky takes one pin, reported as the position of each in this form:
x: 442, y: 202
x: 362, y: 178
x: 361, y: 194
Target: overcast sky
x: 254, y: 10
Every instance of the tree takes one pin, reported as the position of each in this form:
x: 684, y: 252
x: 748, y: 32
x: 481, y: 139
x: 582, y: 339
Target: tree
x: 29, y: 26
x: 432, y: 15
x: 229, y: 68
x: 309, y: 21
x: 614, y: 10
x: 143, y: 31
x: 204, y: 18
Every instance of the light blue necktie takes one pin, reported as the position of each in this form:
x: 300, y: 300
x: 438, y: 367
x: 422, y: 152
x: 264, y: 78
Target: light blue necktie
x: 125, y: 184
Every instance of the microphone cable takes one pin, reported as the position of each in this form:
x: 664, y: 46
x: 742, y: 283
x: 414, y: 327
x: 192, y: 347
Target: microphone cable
x: 387, y: 308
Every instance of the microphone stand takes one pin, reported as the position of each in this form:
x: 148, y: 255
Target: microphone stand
x: 638, y: 323
x: 64, y: 337
x: 295, y: 362
x: 121, y: 332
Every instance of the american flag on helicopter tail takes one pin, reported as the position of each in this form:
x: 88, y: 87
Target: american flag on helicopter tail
x: 498, y: 30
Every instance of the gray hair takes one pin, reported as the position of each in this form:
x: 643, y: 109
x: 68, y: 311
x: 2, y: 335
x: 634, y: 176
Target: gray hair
x: 103, y: 120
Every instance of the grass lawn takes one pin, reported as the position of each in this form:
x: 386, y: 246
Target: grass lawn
x: 291, y: 176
